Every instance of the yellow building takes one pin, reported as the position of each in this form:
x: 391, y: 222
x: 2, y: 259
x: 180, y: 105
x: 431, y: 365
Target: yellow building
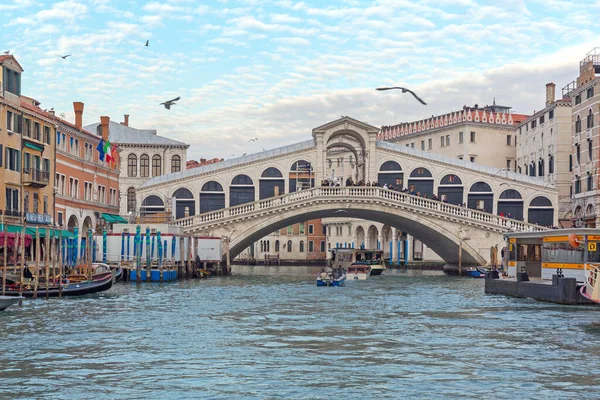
x: 27, y: 153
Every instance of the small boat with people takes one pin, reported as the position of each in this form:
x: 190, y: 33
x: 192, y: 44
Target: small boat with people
x: 475, y: 272
x: 329, y: 277
x: 7, y: 301
x: 359, y: 271
x: 344, y: 257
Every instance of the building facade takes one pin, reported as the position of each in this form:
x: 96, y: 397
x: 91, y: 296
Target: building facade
x: 27, y: 152
x: 544, y: 148
x: 87, y: 188
x: 585, y: 157
x: 144, y: 155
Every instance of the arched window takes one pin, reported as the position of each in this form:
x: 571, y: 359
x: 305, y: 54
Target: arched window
x: 175, y: 163
x: 156, y: 165
x: 132, y: 165
x: 277, y: 246
x: 144, y: 165
x: 578, y: 125
x: 590, y: 120
x: 302, y: 246
x: 212, y: 197
x: 131, y: 206
x: 550, y: 164
x: 289, y: 246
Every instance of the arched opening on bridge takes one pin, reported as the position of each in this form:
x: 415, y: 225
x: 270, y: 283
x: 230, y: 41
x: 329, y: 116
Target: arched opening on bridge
x: 152, y: 205
x: 540, y: 211
x: 451, y: 190
x: 337, y: 167
x: 372, y: 234
x: 481, y: 197
x: 421, y: 181
x: 360, y: 238
x: 72, y: 223
x: 271, y: 183
x: 185, y: 205
x: 241, y: 190
x: 390, y: 173
x: 212, y: 197
x: 301, y: 176
x: 510, y: 204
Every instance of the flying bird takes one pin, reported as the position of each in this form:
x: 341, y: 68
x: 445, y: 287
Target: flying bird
x: 7, y: 52
x: 244, y: 154
x: 147, y: 42
x: 404, y: 90
x: 170, y: 103
x: 63, y: 57
x: 253, y: 140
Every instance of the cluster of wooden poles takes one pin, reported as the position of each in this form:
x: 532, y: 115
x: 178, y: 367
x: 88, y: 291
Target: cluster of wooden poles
x: 52, y: 254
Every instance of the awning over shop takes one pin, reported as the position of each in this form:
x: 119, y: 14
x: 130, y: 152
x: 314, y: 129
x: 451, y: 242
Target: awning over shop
x: 30, y: 230
x: 114, y: 219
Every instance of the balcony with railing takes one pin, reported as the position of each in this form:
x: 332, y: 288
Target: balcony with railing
x: 35, y: 177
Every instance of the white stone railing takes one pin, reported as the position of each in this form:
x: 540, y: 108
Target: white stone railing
x: 353, y: 193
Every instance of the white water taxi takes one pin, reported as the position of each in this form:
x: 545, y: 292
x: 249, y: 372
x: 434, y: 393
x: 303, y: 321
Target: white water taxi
x: 359, y: 271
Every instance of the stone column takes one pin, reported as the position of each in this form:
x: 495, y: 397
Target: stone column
x: 320, y: 159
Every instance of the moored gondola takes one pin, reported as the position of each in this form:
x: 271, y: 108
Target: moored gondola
x: 69, y: 289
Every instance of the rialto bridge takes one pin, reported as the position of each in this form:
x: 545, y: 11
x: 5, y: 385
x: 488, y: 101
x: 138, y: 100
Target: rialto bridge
x: 249, y: 197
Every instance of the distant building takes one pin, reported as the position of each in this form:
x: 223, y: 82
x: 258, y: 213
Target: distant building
x: 481, y: 135
x: 144, y: 155
x: 87, y: 188
x: 202, y: 162
x: 544, y: 149
x: 26, y: 153
x: 585, y: 151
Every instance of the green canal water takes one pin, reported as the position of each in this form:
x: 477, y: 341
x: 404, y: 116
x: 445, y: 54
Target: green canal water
x: 270, y: 333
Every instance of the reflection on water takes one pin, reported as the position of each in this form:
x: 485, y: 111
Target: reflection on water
x: 271, y: 333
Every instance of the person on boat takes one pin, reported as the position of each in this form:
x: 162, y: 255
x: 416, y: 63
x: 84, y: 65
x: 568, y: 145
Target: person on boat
x: 336, y: 274
x: 323, y: 274
x: 27, y: 273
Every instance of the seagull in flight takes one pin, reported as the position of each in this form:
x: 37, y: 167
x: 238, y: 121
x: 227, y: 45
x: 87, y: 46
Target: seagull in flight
x: 63, y: 57
x: 404, y: 90
x: 170, y: 103
x: 7, y: 52
x: 147, y: 42
x: 253, y: 140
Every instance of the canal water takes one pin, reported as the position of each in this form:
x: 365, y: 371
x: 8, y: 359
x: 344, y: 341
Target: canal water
x: 270, y: 333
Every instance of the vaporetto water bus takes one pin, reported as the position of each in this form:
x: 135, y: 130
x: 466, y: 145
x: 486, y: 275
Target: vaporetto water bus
x: 345, y: 257
x: 561, y: 265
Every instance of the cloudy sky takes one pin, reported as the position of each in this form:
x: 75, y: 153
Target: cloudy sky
x: 276, y: 69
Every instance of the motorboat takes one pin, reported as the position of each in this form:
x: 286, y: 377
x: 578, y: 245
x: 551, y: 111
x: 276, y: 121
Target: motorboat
x: 7, y: 301
x: 331, y: 281
x: 99, y: 272
x: 359, y: 271
x: 344, y: 257
x: 475, y: 272
x: 591, y: 289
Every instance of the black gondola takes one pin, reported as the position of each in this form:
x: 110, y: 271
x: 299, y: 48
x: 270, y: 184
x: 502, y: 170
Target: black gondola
x: 71, y: 289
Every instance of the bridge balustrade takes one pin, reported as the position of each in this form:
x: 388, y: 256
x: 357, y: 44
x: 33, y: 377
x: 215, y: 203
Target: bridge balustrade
x: 359, y: 192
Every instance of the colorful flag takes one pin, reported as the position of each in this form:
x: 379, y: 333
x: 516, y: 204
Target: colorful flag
x: 100, y: 149
x: 113, y: 161
x: 107, y: 151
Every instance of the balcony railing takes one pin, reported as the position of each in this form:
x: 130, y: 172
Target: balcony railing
x: 35, y: 177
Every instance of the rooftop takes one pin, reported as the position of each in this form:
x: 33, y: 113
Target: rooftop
x: 189, y: 173
x: 122, y: 134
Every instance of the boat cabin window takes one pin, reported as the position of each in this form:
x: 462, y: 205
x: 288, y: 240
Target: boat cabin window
x: 563, y: 252
x: 594, y: 256
x: 529, y: 252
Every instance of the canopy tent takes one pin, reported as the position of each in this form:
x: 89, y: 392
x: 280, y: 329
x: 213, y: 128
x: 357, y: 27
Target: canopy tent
x: 10, y: 237
x: 114, y: 219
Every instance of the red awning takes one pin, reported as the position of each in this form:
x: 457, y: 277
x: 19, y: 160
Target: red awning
x: 10, y: 236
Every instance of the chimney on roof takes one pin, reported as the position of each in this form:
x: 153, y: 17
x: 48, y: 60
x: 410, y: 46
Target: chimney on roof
x: 78, y: 107
x: 104, y: 121
x: 550, y: 93
x: 51, y: 112
x: 126, y: 119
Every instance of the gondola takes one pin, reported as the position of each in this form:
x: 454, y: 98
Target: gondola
x: 70, y: 289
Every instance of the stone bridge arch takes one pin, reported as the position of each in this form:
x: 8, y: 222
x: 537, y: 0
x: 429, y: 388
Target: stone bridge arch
x: 441, y: 237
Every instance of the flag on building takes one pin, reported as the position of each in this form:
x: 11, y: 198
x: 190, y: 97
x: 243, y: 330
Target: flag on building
x: 114, y: 155
x: 107, y: 151
x: 100, y: 149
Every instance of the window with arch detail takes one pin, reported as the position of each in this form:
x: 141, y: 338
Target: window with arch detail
x: 510, y: 194
x: 302, y: 246
x: 578, y: 125
x: 289, y: 246
x: 421, y: 173
x: 271, y: 172
x: 156, y: 165
x: 451, y: 179
x: 132, y: 165
x: 481, y: 187
x: 277, y: 245
x: 144, y: 165
x: 590, y: 119
x: 212, y: 186
x: 390, y: 166
x: 131, y: 206
x: 175, y: 163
